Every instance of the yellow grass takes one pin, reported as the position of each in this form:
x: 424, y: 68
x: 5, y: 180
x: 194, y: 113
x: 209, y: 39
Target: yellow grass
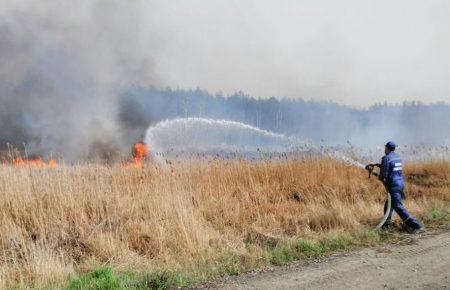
x: 55, y: 222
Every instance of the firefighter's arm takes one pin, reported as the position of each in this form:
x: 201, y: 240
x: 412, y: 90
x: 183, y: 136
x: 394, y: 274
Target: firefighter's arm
x: 369, y: 167
x: 374, y: 165
x: 384, y: 167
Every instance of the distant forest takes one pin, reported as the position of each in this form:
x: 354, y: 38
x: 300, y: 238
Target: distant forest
x: 326, y: 122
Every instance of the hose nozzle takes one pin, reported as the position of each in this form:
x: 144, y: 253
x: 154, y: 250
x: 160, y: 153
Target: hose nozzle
x: 370, y: 169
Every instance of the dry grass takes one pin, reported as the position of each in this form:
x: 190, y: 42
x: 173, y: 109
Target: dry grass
x: 55, y: 222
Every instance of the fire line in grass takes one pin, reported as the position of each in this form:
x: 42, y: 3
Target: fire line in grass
x: 35, y: 162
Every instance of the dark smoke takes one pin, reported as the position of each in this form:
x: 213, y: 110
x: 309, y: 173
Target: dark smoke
x: 62, y: 66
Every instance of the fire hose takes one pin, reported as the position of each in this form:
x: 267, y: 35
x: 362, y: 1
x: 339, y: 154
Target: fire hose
x: 389, y: 201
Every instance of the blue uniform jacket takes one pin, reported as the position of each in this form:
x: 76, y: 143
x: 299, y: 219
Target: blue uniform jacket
x: 391, y: 172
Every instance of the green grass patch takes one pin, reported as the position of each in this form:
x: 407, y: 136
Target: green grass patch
x: 227, y: 264
x: 309, y: 249
x: 437, y: 218
x: 437, y: 215
x: 107, y: 278
x: 306, y: 249
x: 341, y: 242
x: 103, y: 278
x: 159, y: 280
x: 283, y: 254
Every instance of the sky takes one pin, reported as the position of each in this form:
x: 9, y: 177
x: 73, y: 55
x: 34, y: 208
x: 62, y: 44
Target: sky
x: 354, y: 52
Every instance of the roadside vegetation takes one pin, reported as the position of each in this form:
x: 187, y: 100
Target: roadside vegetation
x: 192, y: 221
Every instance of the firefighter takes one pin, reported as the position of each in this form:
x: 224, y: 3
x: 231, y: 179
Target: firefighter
x: 392, y: 177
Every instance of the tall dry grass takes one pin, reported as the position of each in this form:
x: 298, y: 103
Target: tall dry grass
x: 54, y: 222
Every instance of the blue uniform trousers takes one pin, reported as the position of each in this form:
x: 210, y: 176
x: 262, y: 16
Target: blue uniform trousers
x: 397, y: 205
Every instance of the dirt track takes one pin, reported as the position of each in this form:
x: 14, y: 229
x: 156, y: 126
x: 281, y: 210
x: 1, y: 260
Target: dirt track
x: 420, y: 262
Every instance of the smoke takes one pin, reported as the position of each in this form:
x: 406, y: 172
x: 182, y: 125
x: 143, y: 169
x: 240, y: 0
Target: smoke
x: 63, y: 65
x: 68, y: 68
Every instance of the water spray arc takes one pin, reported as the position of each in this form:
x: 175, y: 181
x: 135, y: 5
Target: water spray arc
x: 203, y: 135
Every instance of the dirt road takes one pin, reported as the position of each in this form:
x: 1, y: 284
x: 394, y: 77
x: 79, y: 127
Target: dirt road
x: 420, y: 262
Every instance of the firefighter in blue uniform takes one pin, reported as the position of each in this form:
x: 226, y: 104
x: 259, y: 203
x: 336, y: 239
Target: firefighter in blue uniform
x: 392, y: 177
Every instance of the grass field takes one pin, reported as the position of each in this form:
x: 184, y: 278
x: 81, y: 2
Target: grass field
x: 190, y: 221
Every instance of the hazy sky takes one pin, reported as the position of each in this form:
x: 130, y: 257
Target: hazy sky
x: 356, y: 52
x: 351, y: 51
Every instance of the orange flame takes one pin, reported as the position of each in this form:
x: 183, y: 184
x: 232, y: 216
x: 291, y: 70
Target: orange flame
x: 35, y: 162
x: 140, y: 151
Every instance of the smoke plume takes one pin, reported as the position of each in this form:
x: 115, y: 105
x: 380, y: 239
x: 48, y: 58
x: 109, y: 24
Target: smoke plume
x: 62, y: 67
x: 78, y: 78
